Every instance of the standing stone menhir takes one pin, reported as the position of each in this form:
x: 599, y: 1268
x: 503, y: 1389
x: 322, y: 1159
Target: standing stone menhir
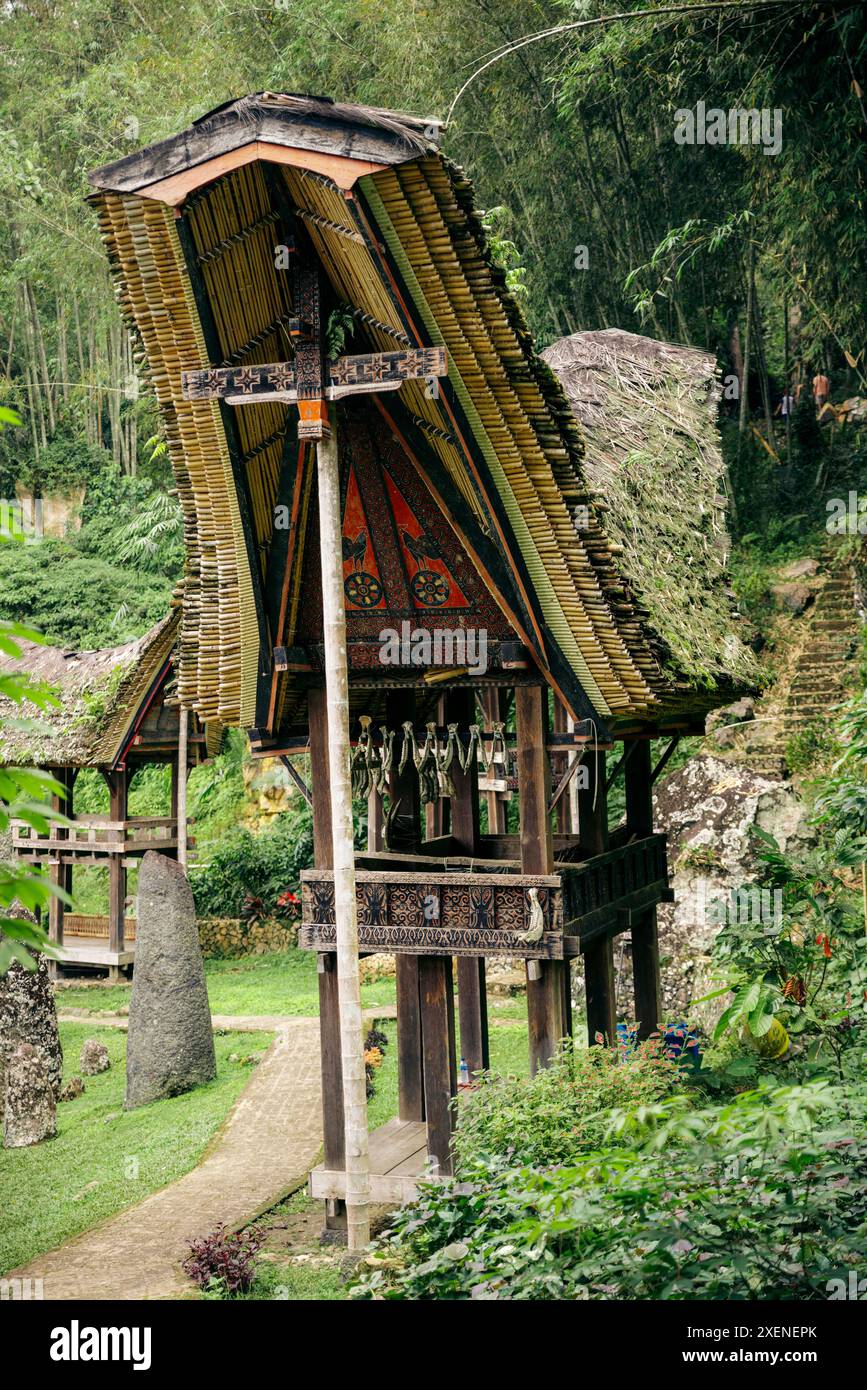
x: 170, y: 1043
x: 28, y: 1014
x: 30, y: 1108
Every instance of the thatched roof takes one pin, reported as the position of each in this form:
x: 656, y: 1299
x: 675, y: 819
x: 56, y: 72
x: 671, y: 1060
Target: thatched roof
x: 648, y: 412
x: 399, y: 240
x: 100, y: 692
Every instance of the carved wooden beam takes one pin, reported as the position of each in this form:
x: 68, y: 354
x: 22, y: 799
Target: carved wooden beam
x: 284, y: 381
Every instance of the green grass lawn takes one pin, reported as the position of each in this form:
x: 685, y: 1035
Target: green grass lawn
x: 104, y: 1159
x: 281, y: 983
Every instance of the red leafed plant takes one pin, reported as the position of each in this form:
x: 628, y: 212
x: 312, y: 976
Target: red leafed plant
x: 288, y: 903
x: 225, y: 1259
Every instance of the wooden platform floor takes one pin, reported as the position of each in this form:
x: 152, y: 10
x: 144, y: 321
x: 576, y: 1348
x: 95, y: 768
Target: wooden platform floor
x: 94, y: 951
x: 398, y: 1159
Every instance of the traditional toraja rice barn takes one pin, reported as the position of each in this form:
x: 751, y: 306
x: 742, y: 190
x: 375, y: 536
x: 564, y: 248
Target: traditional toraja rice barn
x: 317, y: 306
x: 111, y: 715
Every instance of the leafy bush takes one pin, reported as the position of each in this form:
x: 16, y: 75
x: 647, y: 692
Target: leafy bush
x: 804, y: 965
x: 75, y: 600
x: 260, y: 867
x: 564, y: 1110
x: 765, y: 1198
x: 221, y: 1264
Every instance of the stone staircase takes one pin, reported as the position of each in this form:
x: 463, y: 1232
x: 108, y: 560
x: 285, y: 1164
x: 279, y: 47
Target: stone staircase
x: 819, y: 677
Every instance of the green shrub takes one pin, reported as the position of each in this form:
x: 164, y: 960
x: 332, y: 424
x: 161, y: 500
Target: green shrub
x: 765, y: 1198
x: 262, y: 866
x: 564, y: 1110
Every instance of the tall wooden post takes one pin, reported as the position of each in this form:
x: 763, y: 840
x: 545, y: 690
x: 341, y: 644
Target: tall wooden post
x: 645, y: 942
x: 326, y: 961
x: 472, y: 999
x: 545, y: 1014
x: 599, y: 954
x: 118, y: 787
x: 345, y: 915
x: 403, y: 791
x: 61, y: 872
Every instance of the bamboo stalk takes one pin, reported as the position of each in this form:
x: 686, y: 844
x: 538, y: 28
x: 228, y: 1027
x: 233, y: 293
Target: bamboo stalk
x: 345, y: 915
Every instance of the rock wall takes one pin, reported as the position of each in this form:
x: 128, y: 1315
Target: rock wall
x: 229, y: 937
x: 707, y: 808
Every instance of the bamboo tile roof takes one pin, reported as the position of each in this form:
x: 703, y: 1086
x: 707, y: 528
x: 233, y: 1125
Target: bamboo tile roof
x: 100, y: 695
x: 403, y: 250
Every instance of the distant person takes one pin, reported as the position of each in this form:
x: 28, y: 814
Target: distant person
x: 821, y: 389
x: 786, y: 406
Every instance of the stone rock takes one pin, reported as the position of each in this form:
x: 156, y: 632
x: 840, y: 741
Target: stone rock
x: 30, y: 1110
x: 94, y: 1057
x: 707, y: 808
x: 793, y: 598
x: 800, y: 569
x: 73, y: 1089
x: 28, y: 1014
x: 170, y: 1042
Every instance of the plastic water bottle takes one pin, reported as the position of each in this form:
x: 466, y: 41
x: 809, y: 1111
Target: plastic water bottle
x: 463, y: 1075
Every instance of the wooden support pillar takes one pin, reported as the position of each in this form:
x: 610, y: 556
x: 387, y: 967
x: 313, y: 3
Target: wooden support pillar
x: 472, y: 997
x: 599, y: 954
x: 436, y: 990
x: 405, y: 836
x: 545, y: 991
x: 645, y: 941
x: 334, y: 1140
x: 118, y: 788
x: 61, y: 872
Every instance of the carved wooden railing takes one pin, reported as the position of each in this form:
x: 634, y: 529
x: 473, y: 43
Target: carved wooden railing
x: 439, y: 913
x: 486, y: 912
x: 94, y: 836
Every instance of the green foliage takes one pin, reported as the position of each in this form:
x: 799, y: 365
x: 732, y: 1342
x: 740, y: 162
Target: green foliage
x: 77, y: 601
x: 763, y: 1198
x: 260, y: 866
x: 66, y: 463
x: 806, y: 965
x: 564, y: 1110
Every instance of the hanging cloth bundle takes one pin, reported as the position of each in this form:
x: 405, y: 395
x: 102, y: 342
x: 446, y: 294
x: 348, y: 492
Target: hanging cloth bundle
x: 386, y: 759
x: 359, y: 763
x: 475, y: 749
x: 427, y: 766
x: 451, y: 751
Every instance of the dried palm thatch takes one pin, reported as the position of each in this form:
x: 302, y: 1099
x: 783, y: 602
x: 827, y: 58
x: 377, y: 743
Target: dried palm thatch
x: 648, y: 411
x: 100, y: 692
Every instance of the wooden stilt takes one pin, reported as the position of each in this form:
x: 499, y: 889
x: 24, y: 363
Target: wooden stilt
x: 61, y: 872
x: 492, y: 703
x: 329, y: 998
x: 472, y: 997
x: 545, y: 1007
x: 357, y: 1165
x: 440, y: 1071
x: 118, y: 787
x: 645, y: 941
x: 403, y: 791
x: 599, y: 954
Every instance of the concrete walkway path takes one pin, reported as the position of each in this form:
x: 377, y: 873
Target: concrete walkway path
x: 268, y: 1145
